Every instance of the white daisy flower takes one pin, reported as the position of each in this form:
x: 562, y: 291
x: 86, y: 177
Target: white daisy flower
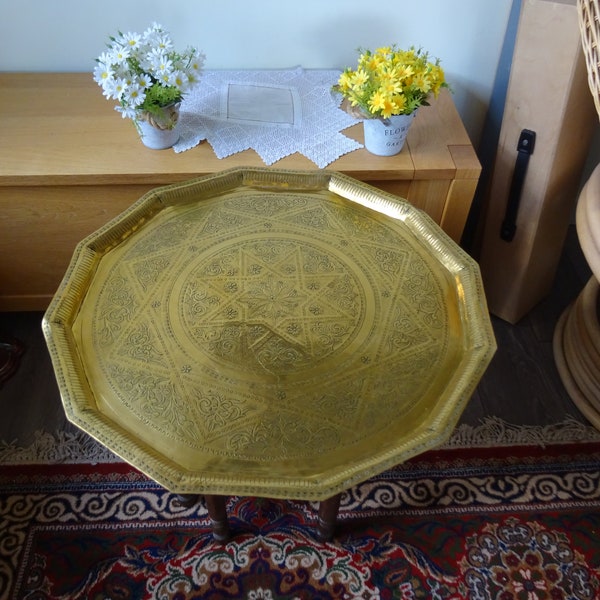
x: 131, y: 40
x: 120, y: 54
x: 133, y: 95
x: 102, y: 74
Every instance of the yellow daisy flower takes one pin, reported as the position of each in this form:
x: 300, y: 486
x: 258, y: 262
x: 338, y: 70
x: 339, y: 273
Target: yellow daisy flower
x: 391, y: 81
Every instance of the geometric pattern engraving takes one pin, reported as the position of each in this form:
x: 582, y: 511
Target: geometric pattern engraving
x: 274, y: 304
x: 260, y: 325
x: 268, y: 333
x: 153, y: 397
x: 116, y: 307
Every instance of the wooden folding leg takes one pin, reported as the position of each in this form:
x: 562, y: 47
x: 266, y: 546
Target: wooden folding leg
x: 328, y: 510
x: 217, y: 511
x: 187, y: 500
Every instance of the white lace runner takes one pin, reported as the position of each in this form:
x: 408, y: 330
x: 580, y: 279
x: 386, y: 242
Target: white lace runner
x: 276, y: 113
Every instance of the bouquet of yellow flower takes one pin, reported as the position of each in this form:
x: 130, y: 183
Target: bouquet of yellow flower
x: 390, y: 82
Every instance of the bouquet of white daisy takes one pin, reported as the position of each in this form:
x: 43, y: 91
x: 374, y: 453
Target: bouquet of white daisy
x: 147, y: 76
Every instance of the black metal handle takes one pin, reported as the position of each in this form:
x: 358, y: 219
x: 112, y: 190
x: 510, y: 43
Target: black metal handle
x: 524, y: 151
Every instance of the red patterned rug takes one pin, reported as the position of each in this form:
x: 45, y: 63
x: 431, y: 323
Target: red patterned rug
x: 520, y: 522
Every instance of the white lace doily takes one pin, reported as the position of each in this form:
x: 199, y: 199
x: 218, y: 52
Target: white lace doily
x: 276, y: 113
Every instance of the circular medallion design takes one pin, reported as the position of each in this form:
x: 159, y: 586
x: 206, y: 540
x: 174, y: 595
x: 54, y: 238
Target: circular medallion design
x: 272, y: 305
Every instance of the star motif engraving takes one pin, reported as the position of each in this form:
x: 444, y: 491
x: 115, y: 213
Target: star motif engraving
x: 272, y: 300
x: 287, y: 302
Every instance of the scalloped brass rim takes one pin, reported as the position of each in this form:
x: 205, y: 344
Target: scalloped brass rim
x: 329, y: 295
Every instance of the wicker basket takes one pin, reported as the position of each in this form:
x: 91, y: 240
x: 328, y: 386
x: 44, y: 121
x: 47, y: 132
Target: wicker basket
x: 589, y: 25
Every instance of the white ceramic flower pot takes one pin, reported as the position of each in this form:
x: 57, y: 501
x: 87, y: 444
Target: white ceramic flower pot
x: 157, y: 139
x: 160, y: 131
x: 387, y: 139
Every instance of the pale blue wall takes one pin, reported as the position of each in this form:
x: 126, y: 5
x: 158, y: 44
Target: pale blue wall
x: 467, y: 35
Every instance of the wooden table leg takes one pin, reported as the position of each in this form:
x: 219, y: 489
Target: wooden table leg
x: 328, y: 510
x: 217, y: 511
x: 187, y: 500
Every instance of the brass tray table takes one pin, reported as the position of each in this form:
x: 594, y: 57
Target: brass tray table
x: 272, y: 333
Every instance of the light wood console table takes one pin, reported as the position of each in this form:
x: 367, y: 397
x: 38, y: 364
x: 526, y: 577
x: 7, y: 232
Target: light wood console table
x: 69, y: 163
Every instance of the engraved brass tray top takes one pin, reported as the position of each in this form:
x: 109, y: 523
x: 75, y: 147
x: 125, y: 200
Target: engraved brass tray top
x: 263, y: 332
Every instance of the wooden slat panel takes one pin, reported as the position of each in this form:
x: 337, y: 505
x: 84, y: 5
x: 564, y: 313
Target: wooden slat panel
x: 548, y: 59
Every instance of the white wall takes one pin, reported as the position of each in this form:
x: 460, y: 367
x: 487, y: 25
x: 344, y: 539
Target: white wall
x: 467, y: 35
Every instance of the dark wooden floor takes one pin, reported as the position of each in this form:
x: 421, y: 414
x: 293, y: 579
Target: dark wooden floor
x: 521, y: 385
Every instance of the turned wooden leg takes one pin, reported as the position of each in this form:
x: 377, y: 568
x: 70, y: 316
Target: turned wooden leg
x: 328, y: 510
x: 217, y: 511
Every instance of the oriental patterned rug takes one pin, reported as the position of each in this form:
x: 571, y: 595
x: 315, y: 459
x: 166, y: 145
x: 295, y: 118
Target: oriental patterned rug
x: 501, y: 523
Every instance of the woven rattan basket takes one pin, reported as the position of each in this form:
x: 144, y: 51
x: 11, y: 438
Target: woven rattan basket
x: 589, y: 13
